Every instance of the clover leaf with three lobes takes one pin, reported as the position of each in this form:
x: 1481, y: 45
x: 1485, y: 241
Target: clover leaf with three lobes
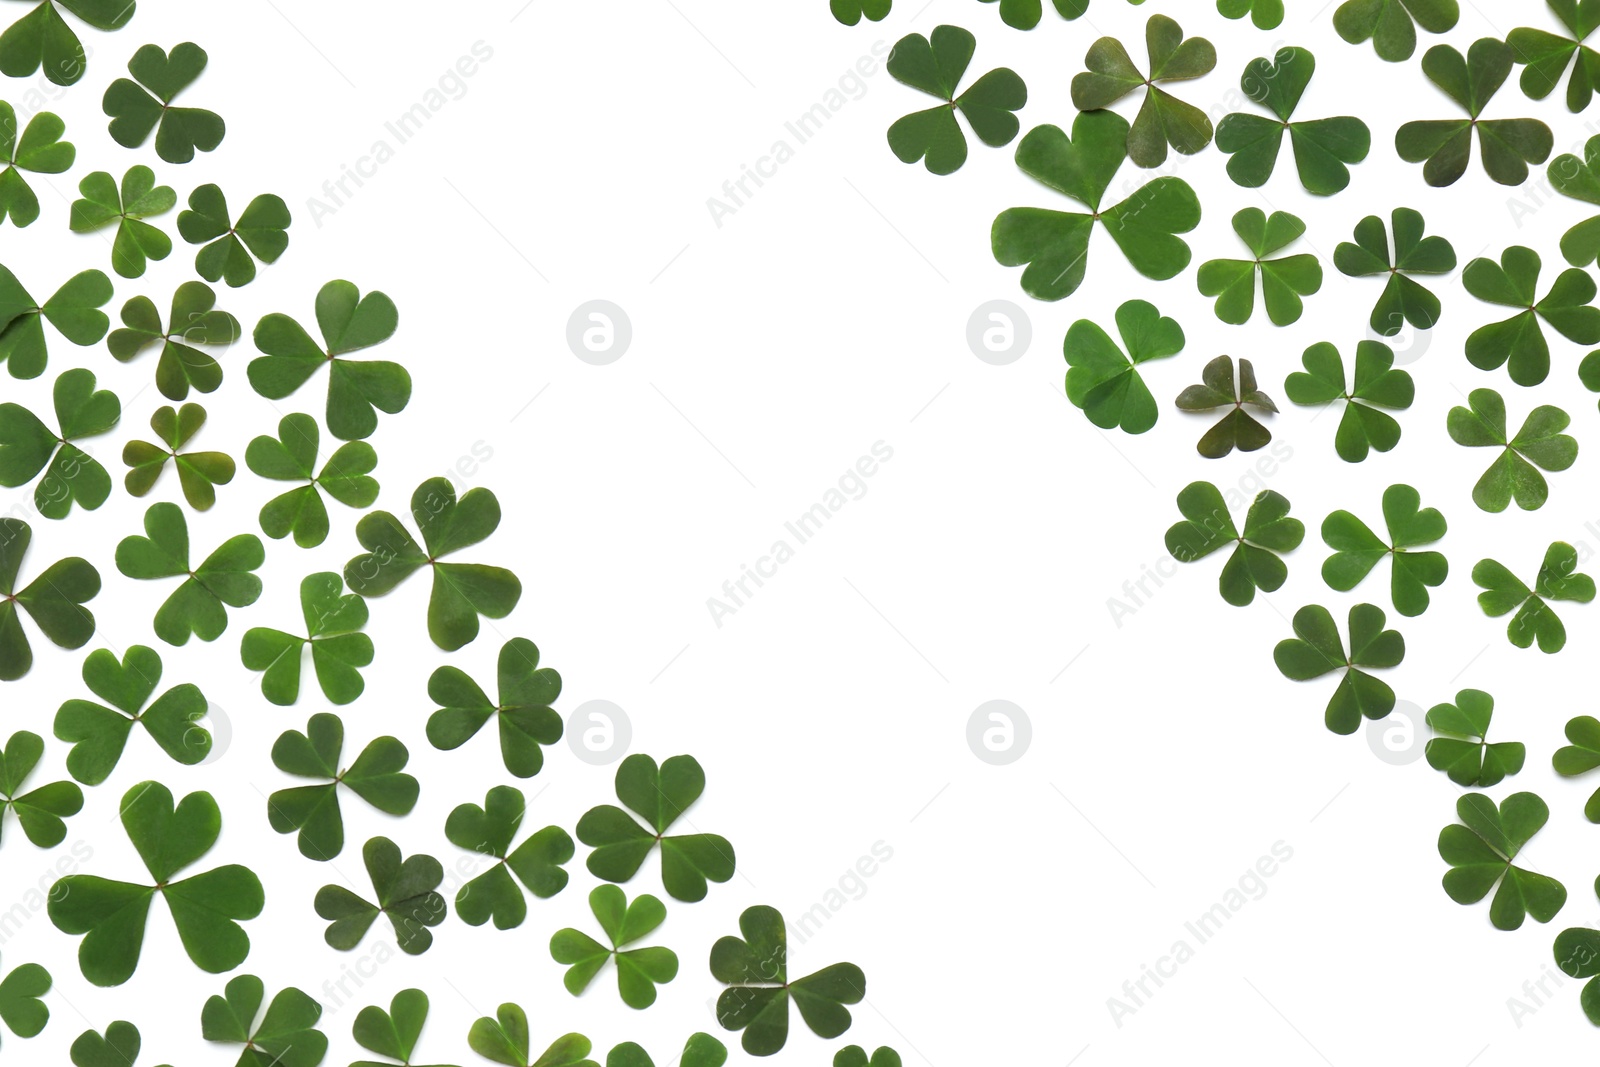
x: 1316, y: 650
x: 223, y: 580
x: 537, y: 863
x: 850, y: 12
x: 1577, y: 953
x: 461, y: 591
x: 1444, y: 146
x: 755, y: 968
x: 701, y: 1050
x: 1163, y: 119
x: 194, y: 321
x: 1514, y: 475
x: 377, y: 776
x: 1323, y: 148
x: 99, y: 734
x: 1462, y: 749
x: 71, y: 475
x: 1219, y: 388
x: 936, y: 66
x: 1357, y: 550
x: 41, y: 810
x: 54, y: 601
x: 1254, y: 562
x: 137, y: 106
x: 1025, y: 14
x: 1579, y: 178
x: 1580, y: 756
x: 40, y: 150
x: 262, y: 229
x: 140, y: 197
x: 639, y: 970
x: 74, y: 310
x: 42, y: 38
x: 1389, y: 24
x: 22, y: 1006
x: 206, y: 908
x: 1283, y: 281
x: 522, y: 710
x: 119, y: 1046
x: 1378, y: 385
x: 333, y: 620
x: 1053, y: 246
x: 1545, y: 55
x: 1103, y: 381
x: 1403, y: 300
x: 505, y: 1039
x: 1519, y: 341
x: 285, y: 1036
x: 292, y: 457
x: 1481, y: 854
x: 659, y: 796
x: 392, y: 1034
x: 1535, y: 620
x: 406, y: 891
x: 199, y: 473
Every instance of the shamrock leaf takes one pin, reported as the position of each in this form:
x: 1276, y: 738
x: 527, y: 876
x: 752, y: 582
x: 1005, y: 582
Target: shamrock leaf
x: 1356, y: 550
x: 22, y: 1007
x: 659, y: 797
x: 1322, y: 147
x: 1577, y: 952
x: 755, y: 967
x: 936, y: 67
x: 28, y: 447
x: 1254, y: 562
x: 339, y: 650
x: 392, y: 1034
x: 537, y: 862
x: 286, y: 1036
x: 1445, y: 146
x: 98, y: 733
x: 292, y: 457
x: 849, y: 12
x: 199, y: 473
x: 1579, y: 178
x: 349, y: 322
x: 74, y: 310
x: 138, y: 106
x: 39, y: 811
x: 118, y: 1047
x: 54, y: 601
x: 1267, y: 15
x: 1403, y: 299
x: 1238, y: 428
x: 140, y: 197
x: 1481, y: 852
x: 1388, y: 23
x: 1283, y: 281
x: 196, y: 606
x: 1463, y: 751
x: 526, y: 720
x: 461, y: 591
x: 1581, y: 757
x: 262, y: 229
x: 1054, y: 245
x: 1103, y: 381
x: 1163, y: 119
x: 639, y: 970
x: 194, y: 321
x: 504, y: 1039
x: 1025, y: 14
x: 43, y: 38
x: 1316, y: 650
x: 377, y: 776
x: 206, y: 908
x: 1514, y: 475
x: 40, y: 150
x: 405, y: 889
x: 1503, y: 593
x: 1364, y: 425
x: 701, y: 1050
x: 1514, y: 282
x: 1546, y: 55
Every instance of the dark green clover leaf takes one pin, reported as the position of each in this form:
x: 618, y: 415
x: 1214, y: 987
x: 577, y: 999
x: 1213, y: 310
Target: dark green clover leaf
x: 1316, y: 650
x: 1283, y: 281
x: 1535, y: 620
x: 1254, y: 562
x: 139, y: 198
x: 1581, y: 757
x: 406, y: 892
x: 755, y: 967
x: 537, y: 862
x: 1025, y: 14
x: 1054, y: 245
x: 22, y: 1007
x: 883, y: 1055
x: 1445, y: 146
x: 1519, y: 340
x: 40, y: 810
x: 1463, y: 750
x: 526, y: 720
x: 1322, y: 147
x: 1219, y: 389
x: 1103, y: 381
x: 1388, y: 23
x: 1403, y: 299
x: 392, y: 1034
x: 1580, y: 179
x: 40, y: 150
x: 701, y: 1050
x: 1481, y: 854
x: 1267, y: 15
x: 138, y: 106
x: 262, y: 230
x: 42, y: 38
x: 1589, y: 371
x: 54, y: 601
x: 28, y: 447
x: 936, y: 67
x: 286, y: 1036
x: 118, y: 1047
x: 339, y: 650
x: 1163, y: 119
x: 194, y: 321
x: 199, y: 473
x: 74, y: 310
x: 1545, y: 55
x: 639, y: 970
x: 292, y: 457
x: 1577, y: 953
x: 504, y: 1039
x: 206, y: 908
x: 1378, y: 385
x: 377, y: 776
x: 1357, y: 550
x: 98, y: 733
x: 461, y: 591
x: 850, y: 12
x: 197, y: 606
x: 349, y: 322
x: 1515, y: 474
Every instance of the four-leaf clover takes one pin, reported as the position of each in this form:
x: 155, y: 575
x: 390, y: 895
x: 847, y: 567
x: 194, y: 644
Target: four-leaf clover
x: 1535, y: 620
x: 1316, y: 649
x: 936, y: 66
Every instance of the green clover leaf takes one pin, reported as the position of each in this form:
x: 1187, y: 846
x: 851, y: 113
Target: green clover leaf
x: 40, y: 150
x: 145, y: 103
x: 1322, y: 147
x: 504, y: 1039
x: 194, y: 321
x: 339, y: 650
x: 54, y: 601
x: 286, y: 1036
x: 74, y: 311
x: 1445, y: 146
x: 1403, y: 299
x: 1577, y: 952
x: 1163, y: 119
x: 199, y: 473
x: 43, y: 38
x: 1103, y: 381
x: 118, y: 1047
x: 262, y: 230
x: 1025, y: 14
x: 1316, y: 650
x: 1463, y: 750
x: 1267, y: 15
x: 1378, y: 385
x: 1579, y: 179
x: 140, y: 197
x: 1545, y: 55
x: 41, y: 810
x: 392, y: 1034
x: 526, y: 720
x: 406, y: 893
x: 1219, y: 388
x: 1389, y: 25
x: 701, y: 1050
x: 292, y: 457
x: 639, y: 970
x: 537, y: 862
x: 1535, y: 620
x: 755, y: 967
x: 1254, y: 562
x: 1515, y: 474
x: 1481, y: 852
x: 377, y: 776
x: 1581, y: 756
x: 1519, y: 340
x: 1357, y: 550
x: 849, y: 12
x: 22, y: 1007
x: 1283, y: 281
x: 197, y: 606
x: 936, y: 67
x: 71, y: 475
x: 98, y: 733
